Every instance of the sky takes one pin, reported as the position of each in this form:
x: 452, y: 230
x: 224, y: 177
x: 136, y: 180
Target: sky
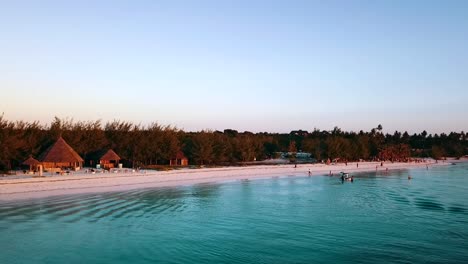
x: 272, y: 66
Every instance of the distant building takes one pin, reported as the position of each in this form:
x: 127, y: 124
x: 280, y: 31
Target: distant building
x: 300, y: 133
x: 59, y: 156
x: 32, y: 163
x: 298, y: 155
x: 107, y: 159
x: 179, y: 160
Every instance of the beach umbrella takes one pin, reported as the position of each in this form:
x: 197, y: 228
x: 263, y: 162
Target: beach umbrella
x: 31, y: 162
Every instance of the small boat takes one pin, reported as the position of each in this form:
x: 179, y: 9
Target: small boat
x: 345, y: 176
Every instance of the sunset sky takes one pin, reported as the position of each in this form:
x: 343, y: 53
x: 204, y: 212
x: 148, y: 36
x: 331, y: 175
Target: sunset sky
x: 269, y: 66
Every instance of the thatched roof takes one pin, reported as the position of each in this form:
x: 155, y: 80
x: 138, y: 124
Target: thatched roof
x: 110, y: 155
x: 60, y: 151
x: 31, y: 162
x: 103, y: 155
x: 180, y: 155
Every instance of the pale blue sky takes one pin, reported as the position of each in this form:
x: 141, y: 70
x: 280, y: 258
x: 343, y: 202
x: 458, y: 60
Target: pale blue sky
x: 248, y: 65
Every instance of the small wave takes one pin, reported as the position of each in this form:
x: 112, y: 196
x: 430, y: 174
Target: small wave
x: 397, y: 197
x: 130, y: 211
x: 457, y: 209
x: 429, y: 205
x: 116, y: 209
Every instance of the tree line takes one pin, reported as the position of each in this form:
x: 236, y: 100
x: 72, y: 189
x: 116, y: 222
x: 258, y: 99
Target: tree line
x: 143, y: 145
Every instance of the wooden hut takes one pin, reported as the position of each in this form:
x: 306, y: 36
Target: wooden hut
x: 32, y: 163
x: 107, y: 159
x: 60, y: 155
x: 179, y: 160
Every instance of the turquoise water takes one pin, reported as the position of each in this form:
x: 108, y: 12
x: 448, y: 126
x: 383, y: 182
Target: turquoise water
x: 377, y: 219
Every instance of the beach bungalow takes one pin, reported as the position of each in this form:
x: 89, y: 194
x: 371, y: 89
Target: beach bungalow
x: 106, y: 159
x: 59, y: 156
x: 179, y: 160
x: 32, y: 163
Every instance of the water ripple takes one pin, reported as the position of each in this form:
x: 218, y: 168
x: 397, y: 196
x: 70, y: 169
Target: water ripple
x: 429, y: 204
x: 457, y: 209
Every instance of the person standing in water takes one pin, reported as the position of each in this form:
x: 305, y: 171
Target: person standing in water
x: 309, y: 172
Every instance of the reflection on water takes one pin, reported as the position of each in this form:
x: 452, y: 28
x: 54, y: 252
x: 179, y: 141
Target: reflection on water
x: 380, y: 217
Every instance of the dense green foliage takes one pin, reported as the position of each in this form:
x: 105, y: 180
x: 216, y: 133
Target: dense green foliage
x: 155, y: 144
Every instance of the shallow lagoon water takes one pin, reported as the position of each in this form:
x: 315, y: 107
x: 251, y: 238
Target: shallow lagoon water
x: 378, y: 218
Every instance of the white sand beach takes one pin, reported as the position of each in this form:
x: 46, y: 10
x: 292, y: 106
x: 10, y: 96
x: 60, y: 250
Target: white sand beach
x: 81, y: 182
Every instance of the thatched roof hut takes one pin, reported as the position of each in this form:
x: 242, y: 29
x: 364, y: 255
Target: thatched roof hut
x: 59, y: 155
x: 31, y: 162
x: 179, y: 160
x: 110, y: 155
x: 107, y: 159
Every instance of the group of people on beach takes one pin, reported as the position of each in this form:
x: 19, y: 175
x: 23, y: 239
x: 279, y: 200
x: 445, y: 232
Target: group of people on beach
x: 351, y: 179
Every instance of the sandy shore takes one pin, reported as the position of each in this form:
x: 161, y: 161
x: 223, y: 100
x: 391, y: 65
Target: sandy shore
x: 80, y: 182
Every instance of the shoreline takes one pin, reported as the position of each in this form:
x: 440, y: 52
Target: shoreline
x: 81, y: 183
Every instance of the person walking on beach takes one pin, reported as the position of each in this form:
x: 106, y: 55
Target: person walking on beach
x: 309, y: 172
x: 357, y: 165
